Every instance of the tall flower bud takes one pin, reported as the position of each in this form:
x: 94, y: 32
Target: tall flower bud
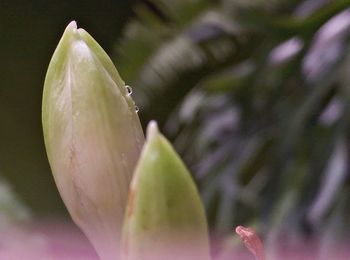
x: 164, y: 218
x: 92, y: 135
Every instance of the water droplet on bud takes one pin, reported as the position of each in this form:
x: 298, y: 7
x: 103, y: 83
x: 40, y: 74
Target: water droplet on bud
x: 128, y: 89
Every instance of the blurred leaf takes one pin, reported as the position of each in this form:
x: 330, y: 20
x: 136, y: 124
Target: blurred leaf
x: 260, y: 115
x: 11, y: 208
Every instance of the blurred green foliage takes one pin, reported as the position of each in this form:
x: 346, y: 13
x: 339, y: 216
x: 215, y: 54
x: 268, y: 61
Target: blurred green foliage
x: 254, y: 95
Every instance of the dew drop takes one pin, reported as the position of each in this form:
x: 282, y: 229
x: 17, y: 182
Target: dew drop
x: 137, y: 109
x: 128, y: 90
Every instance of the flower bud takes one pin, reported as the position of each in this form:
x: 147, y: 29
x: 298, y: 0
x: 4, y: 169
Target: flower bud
x: 93, y: 137
x: 165, y: 218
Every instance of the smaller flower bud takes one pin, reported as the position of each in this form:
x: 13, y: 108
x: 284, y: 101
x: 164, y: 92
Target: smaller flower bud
x: 165, y: 217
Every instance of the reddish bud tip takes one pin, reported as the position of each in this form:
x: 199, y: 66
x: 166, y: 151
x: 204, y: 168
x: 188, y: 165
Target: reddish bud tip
x: 252, y: 241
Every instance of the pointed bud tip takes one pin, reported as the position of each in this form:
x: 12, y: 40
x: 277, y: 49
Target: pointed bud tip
x: 152, y: 130
x: 70, y: 32
x: 72, y: 24
x: 71, y: 27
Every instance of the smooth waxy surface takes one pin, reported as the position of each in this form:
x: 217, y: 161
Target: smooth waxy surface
x: 92, y: 135
x: 165, y: 218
